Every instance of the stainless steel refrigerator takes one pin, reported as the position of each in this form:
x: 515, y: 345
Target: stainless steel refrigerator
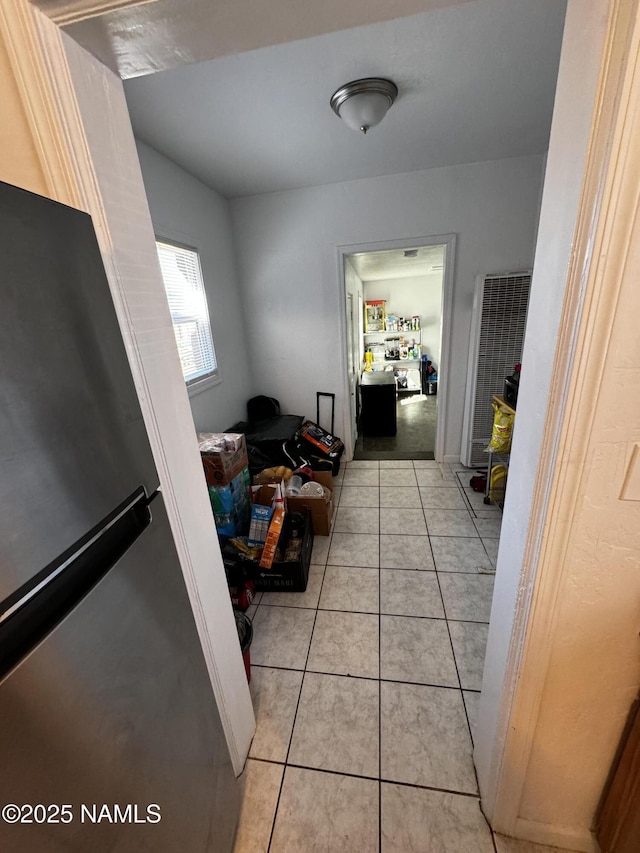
x: 106, y: 707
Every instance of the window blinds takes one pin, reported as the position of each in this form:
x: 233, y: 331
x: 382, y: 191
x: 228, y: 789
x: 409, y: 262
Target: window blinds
x: 189, y: 313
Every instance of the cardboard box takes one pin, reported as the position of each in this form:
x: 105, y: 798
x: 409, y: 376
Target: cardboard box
x: 221, y: 463
x: 264, y: 495
x: 321, y: 509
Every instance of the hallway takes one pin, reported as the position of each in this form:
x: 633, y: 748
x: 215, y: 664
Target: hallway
x: 366, y: 686
x: 416, y: 435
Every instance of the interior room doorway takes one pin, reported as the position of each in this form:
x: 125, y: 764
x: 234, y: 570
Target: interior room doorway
x: 394, y: 342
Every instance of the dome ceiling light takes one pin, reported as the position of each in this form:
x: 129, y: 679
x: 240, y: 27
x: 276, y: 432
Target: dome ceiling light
x: 362, y: 104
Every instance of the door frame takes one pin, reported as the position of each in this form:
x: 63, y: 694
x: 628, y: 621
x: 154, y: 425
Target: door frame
x: 351, y: 356
x: 449, y: 243
x: 600, y: 262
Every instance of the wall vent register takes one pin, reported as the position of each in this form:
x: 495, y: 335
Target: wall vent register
x: 497, y: 335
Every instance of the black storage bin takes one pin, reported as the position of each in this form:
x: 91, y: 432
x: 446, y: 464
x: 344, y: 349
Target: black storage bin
x: 281, y: 577
x: 288, y: 577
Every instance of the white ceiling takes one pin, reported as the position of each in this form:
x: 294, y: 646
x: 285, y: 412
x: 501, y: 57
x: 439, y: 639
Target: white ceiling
x: 394, y: 264
x: 476, y: 82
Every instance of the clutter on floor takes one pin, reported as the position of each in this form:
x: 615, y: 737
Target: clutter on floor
x: 258, y: 525
x: 274, y: 439
x: 266, y: 525
x: 266, y: 430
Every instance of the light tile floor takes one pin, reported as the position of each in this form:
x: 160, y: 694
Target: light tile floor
x: 366, y: 686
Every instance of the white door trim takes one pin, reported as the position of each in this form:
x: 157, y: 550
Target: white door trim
x: 472, y: 372
x: 72, y: 11
x: 449, y: 242
x: 351, y: 360
x: 40, y: 66
x: 607, y: 214
x: 34, y: 51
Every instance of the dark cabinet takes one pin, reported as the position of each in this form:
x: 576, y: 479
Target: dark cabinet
x: 378, y: 398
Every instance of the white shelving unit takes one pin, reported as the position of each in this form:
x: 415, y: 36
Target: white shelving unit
x: 411, y: 365
x: 499, y: 458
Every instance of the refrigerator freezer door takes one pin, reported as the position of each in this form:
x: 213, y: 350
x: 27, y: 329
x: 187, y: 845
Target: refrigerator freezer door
x: 115, y: 708
x: 73, y: 444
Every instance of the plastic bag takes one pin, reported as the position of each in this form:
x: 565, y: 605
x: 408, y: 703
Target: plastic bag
x: 497, y: 484
x: 502, y: 430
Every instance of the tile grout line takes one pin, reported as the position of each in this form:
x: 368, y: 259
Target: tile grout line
x: 491, y: 832
x: 379, y: 664
x: 304, y: 672
x: 368, y: 678
x: 464, y: 704
x: 455, y: 663
x: 457, y: 793
x: 370, y: 613
x: 474, y: 516
x: 416, y: 572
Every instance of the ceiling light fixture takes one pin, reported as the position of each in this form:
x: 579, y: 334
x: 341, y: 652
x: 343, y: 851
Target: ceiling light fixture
x: 362, y: 104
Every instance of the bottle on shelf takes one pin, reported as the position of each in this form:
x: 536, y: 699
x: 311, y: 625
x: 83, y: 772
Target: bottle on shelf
x: 397, y: 346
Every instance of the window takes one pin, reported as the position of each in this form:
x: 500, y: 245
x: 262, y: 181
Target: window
x: 189, y: 313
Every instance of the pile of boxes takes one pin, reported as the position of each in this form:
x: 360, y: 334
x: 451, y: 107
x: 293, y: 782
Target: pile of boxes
x: 283, y: 561
x: 320, y: 508
x: 226, y: 470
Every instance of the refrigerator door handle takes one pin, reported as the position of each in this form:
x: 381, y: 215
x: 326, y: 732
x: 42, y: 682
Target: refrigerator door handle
x: 32, y: 611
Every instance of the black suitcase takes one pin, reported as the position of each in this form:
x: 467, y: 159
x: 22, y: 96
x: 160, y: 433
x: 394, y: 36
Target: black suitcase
x: 319, y: 443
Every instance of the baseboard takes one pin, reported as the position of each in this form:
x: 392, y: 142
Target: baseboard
x: 451, y: 460
x: 564, y: 837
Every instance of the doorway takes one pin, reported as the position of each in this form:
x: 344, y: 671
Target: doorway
x: 396, y: 311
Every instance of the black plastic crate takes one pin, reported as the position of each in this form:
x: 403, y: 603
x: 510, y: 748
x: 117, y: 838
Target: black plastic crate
x: 288, y: 577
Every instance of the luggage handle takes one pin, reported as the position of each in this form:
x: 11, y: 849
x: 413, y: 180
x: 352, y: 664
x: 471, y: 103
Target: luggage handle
x: 333, y: 408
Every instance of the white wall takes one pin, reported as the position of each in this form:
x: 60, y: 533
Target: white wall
x: 593, y: 672
x: 291, y: 279
x: 187, y: 211
x: 407, y: 296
